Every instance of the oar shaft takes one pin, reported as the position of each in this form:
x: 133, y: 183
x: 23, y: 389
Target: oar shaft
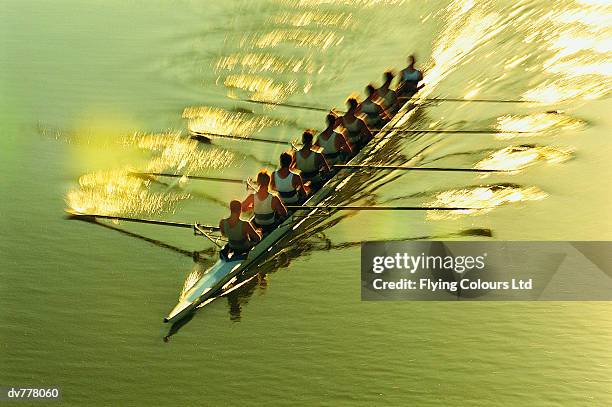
x: 434, y: 99
x: 292, y: 106
x: 401, y: 167
x: 75, y: 215
x: 452, y: 131
x: 197, y: 134
x: 196, y: 177
x: 379, y: 208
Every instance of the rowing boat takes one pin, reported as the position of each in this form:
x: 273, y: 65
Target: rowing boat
x: 225, y: 273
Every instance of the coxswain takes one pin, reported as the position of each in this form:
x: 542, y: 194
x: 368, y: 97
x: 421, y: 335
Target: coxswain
x: 312, y: 164
x: 267, y: 207
x: 409, y: 79
x: 333, y: 143
x: 388, y: 95
x: 357, y: 131
x: 241, y: 234
x: 372, y: 107
x: 287, y: 183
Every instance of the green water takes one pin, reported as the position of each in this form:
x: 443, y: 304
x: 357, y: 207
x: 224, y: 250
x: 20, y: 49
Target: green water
x: 82, y: 305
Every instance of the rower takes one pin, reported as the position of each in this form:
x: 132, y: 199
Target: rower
x: 267, y: 207
x: 334, y: 144
x: 372, y: 107
x: 312, y: 164
x: 240, y: 233
x: 388, y: 95
x: 287, y: 183
x: 358, y: 133
x: 409, y: 79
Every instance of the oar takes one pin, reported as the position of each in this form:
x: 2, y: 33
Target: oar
x: 196, y: 177
x: 379, y: 208
x: 91, y: 216
x: 293, y: 106
x: 408, y: 168
x: 202, y: 137
x: 484, y: 131
x: 434, y: 99
x: 437, y: 99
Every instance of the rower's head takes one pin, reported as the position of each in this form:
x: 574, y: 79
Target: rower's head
x: 235, y: 207
x: 285, y: 160
x: 411, y: 60
x: 370, y: 90
x: 331, y: 120
x: 307, y: 138
x: 352, y: 103
x: 263, y: 178
x: 388, y: 77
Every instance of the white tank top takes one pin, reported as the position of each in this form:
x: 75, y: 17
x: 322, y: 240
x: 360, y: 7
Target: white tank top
x: 264, y: 213
x: 329, y: 145
x: 285, y: 188
x: 307, y: 164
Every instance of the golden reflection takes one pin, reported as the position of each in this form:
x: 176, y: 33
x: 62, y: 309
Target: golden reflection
x: 579, y: 37
x: 319, y: 18
x: 534, y: 123
x: 321, y: 40
x: 460, y: 37
x: 260, y: 62
x: 116, y: 192
x: 179, y: 153
x: 488, y: 197
x: 519, y: 157
x: 215, y: 120
x: 264, y: 89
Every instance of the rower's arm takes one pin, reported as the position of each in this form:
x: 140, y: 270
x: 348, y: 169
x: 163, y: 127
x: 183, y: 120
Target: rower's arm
x: 321, y: 162
x: 343, y: 143
x: 272, y: 183
x: 365, y: 130
x: 279, y: 206
x: 394, y: 104
x: 382, y: 111
x: 298, y: 184
x: 221, y: 228
x: 294, y: 154
x: 248, y: 203
x: 400, y: 82
x: 253, y: 234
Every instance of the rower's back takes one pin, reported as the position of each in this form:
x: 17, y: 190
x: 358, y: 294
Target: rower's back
x: 409, y: 78
x: 284, y: 181
x: 309, y: 161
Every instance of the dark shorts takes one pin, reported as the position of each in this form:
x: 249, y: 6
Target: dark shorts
x: 227, y: 253
x: 266, y: 229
